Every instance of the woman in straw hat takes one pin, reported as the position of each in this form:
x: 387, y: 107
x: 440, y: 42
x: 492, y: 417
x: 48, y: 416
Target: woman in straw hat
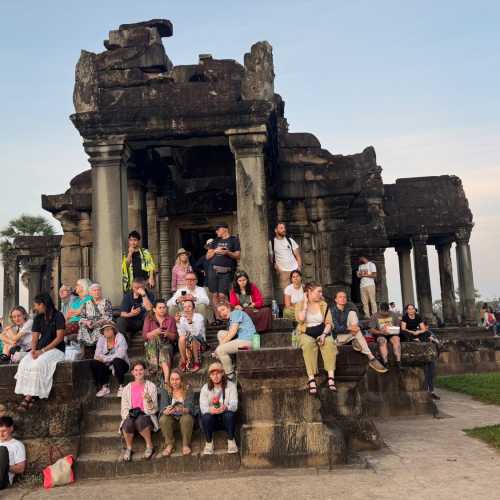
x: 180, y: 269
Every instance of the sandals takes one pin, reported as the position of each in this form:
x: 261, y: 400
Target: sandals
x: 127, y: 455
x: 148, y: 453
x: 25, y: 405
x: 186, y: 450
x: 313, y: 389
x: 331, y: 384
x: 168, y: 451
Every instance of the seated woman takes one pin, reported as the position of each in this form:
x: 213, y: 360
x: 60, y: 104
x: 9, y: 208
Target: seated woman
x: 177, y: 410
x: 412, y: 327
x: 315, y: 333
x: 73, y: 315
x: 36, y: 370
x: 218, y: 406
x: 293, y: 294
x: 160, y: 334
x: 16, y: 338
x: 110, y: 356
x: 238, y: 336
x: 93, y: 313
x: 245, y: 296
x: 138, y: 411
x: 191, y: 330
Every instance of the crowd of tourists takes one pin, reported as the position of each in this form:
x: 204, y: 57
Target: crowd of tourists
x: 84, y: 326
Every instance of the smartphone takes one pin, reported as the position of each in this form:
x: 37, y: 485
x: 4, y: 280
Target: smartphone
x: 183, y: 292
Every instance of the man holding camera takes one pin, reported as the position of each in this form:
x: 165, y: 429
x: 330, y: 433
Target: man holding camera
x: 192, y: 292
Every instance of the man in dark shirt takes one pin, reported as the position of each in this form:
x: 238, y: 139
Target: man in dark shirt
x: 223, y: 255
x: 134, y: 306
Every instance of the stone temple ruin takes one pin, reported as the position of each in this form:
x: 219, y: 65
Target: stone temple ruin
x: 173, y: 151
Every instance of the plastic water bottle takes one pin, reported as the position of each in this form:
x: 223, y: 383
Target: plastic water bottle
x: 255, y: 342
x: 275, y: 309
x: 294, y: 338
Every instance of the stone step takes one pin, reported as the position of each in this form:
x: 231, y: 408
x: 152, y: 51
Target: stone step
x: 106, y: 420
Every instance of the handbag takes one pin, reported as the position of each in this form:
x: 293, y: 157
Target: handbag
x: 317, y: 331
x: 134, y: 413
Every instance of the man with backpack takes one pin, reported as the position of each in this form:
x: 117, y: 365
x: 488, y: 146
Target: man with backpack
x: 285, y: 257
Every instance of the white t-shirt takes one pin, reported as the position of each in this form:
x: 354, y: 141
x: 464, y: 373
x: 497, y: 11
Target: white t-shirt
x: 284, y: 257
x: 297, y: 295
x: 17, y: 454
x: 371, y: 268
x: 195, y: 329
x: 198, y: 293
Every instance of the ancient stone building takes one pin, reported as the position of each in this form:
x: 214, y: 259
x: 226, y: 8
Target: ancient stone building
x: 175, y: 149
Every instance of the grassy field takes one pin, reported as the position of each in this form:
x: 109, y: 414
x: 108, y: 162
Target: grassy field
x: 484, y: 387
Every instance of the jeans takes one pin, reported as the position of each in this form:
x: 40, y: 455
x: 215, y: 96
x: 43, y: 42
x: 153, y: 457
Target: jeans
x: 224, y: 421
x: 101, y: 371
x: 130, y: 326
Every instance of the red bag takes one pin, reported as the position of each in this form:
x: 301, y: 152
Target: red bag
x: 59, y: 473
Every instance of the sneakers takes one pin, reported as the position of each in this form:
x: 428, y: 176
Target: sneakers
x: 209, y: 449
x: 119, y: 392
x: 356, y: 345
x: 231, y: 446
x: 103, y: 392
x: 376, y: 365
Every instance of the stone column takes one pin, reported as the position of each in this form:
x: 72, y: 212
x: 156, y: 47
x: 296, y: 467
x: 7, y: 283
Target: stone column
x: 34, y: 267
x: 10, y: 282
x: 108, y: 159
x: 421, y: 263
x: 135, y: 207
x: 247, y: 146
x: 165, y: 264
x: 448, y: 299
x: 152, y: 225
x: 465, y: 277
x: 405, y: 276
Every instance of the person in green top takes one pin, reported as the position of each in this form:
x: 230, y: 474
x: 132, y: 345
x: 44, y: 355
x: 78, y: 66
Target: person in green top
x: 137, y: 263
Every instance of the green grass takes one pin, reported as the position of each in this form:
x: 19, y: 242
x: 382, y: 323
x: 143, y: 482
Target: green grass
x: 484, y: 387
x: 489, y: 434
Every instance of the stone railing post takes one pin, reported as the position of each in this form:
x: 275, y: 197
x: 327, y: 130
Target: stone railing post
x: 465, y: 277
x: 108, y: 159
x: 405, y: 276
x: 424, y: 293
x: 247, y: 145
x: 448, y: 299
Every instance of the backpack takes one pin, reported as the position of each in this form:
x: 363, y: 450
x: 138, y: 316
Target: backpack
x: 289, y: 242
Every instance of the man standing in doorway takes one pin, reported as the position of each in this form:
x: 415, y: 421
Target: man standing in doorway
x: 138, y: 263
x: 285, y: 257
x: 223, y: 254
x: 367, y: 272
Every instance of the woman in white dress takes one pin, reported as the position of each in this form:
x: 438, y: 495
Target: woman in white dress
x: 36, y: 370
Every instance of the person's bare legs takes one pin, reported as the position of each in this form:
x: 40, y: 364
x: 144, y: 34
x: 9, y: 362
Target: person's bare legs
x: 396, y: 347
x: 166, y: 371
x: 195, y: 347
x: 146, y: 434
x: 182, y: 349
x: 129, y: 440
x: 382, y: 346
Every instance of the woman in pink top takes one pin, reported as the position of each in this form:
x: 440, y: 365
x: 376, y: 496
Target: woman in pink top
x: 138, y: 411
x: 180, y: 269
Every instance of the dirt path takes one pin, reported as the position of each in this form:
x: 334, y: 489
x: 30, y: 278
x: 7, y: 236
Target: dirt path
x: 426, y: 458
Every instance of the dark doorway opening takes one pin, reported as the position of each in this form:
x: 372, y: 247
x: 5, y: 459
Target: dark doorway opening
x: 194, y: 241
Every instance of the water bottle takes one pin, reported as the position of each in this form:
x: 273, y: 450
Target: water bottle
x: 294, y: 338
x: 255, y: 342
x: 275, y: 309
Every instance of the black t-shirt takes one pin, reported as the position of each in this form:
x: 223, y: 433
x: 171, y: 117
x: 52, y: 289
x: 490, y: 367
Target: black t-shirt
x: 137, y: 266
x: 48, y: 329
x: 129, y: 302
x: 412, y: 324
x: 232, y: 244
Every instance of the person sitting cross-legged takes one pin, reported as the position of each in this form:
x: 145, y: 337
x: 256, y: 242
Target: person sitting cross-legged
x: 218, y: 407
x: 191, y: 330
x: 110, y: 356
x: 12, y: 453
x: 347, y: 330
x: 16, y: 337
x: 384, y: 325
x: 315, y: 334
x: 238, y: 336
x: 160, y: 334
x: 135, y: 304
x: 195, y: 294
x: 139, y: 407
x: 177, y: 410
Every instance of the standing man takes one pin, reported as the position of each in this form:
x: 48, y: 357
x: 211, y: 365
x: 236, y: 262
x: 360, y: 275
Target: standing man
x: 138, y: 263
x: 223, y: 254
x: 285, y: 257
x: 367, y: 271
x: 12, y: 453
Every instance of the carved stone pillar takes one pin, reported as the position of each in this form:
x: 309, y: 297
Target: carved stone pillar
x: 424, y: 293
x: 152, y: 224
x: 448, y: 299
x: 10, y: 282
x: 405, y: 276
x: 34, y: 266
x: 465, y: 276
x: 164, y: 260
x: 136, y: 204
x: 247, y: 146
x: 108, y: 159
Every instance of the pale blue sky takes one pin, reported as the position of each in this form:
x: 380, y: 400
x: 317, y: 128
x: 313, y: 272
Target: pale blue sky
x: 417, y: 80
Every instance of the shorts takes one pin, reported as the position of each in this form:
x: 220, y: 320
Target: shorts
x: 131, y: 425
x: 220, y: 282
x: 386, y: 337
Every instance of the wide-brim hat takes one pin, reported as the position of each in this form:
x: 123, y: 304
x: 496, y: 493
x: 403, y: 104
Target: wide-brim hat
x: 181, y: 251
x: 107, y: 324
x: 215, y: 366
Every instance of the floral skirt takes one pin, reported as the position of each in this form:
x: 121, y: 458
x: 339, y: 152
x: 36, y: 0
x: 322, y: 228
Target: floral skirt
x: 158, y: 352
